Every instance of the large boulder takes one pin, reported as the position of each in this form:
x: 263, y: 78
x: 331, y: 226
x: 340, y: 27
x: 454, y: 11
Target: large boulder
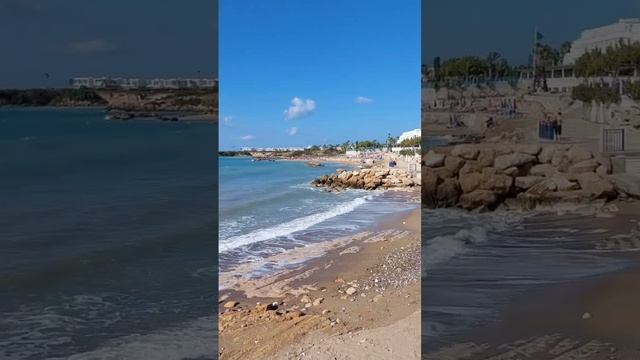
x: 582, y: 167
x: 627, y: 184
x: 465, y: 151
x: 442, y: 172
x: 478, y: 198
x: 448, y: 193
x: 430, y: 182
x: 605, y: 163
x: 546, y: 170
x: 486, y: 157
x: 516, y: 159
x: 596, y: 186
x: 531, y: 149
x: 514, y: 171
x: 546, y: 154
x: 471, y: 167
x: 526, y: 182
x: 433, y: 159
x: 500, y: 184
x: 602, y: 171
x: 577, y: 154
x: 562, y: 182
x: 470, y: 181
x: 453, y: 164
x: 560, y: 160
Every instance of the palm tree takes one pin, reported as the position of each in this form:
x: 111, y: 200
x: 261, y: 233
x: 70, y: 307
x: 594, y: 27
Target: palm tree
x: 565, y: 48
x: 492, y: 62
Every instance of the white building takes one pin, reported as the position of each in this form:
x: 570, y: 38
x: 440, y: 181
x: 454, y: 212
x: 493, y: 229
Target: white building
x: 626, y: 30
x: 137, y: 83
x: 409, y: 135
x: 562, y: 78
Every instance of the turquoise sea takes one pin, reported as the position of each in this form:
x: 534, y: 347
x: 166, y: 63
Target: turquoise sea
x: 269, y: 208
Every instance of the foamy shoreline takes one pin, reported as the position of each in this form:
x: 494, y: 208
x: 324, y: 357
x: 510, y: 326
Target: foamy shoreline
x: 316, y: 297
x: 584, y: 311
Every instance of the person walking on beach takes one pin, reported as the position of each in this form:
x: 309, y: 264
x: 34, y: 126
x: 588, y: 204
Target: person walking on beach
x: 558, y: 126
x: 554, y: 128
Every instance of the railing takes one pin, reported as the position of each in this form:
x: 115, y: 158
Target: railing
x: 612, y: 140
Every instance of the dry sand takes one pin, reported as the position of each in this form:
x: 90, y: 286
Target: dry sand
x: 341, y: 305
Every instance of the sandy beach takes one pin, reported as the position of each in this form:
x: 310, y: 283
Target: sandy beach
x: 357, y: 298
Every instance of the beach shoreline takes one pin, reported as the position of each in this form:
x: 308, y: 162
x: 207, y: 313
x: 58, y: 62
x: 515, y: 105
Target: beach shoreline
x: 594, y: 316
x: 331, y: 302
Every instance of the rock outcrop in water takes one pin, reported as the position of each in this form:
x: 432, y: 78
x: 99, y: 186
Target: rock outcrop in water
x: 483, y: 176
x: 367, y: 179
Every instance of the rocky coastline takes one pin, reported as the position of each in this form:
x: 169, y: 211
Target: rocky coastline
x: 517, y: 176
x: 366, y: 179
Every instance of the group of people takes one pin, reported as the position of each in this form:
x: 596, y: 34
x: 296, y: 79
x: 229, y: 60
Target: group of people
x: 451, y: 104
x: 550, y: 127
x: 455, y: 122
x: 506, y: 107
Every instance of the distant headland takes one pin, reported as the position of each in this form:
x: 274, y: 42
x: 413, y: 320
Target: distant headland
x: 123, y: 99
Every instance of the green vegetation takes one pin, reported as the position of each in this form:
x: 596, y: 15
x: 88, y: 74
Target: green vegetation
x: 411, y: 142
x: 601, y: 94
x: 633, y: 89
x: 617, y: 60
x: 234, y: 153
x: 50, y: 97
x: 368, y: 144
x: 491, y: 67
x: 409, y: 152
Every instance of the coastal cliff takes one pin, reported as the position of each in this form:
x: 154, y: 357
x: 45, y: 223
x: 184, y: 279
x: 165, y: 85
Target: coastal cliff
x: 122, y: 104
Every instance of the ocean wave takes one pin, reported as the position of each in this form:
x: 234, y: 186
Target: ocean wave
x: 33, y: 331
x: 442, y: 248
x: 290, y: 227
x: 194, y: 340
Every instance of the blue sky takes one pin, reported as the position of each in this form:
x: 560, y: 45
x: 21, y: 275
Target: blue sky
x: 473, y: 27
x: 296, y: 73
x: 67, y: 38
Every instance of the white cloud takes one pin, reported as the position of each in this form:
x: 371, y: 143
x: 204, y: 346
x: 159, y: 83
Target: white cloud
x: 91, y: 47
x: 293, y: 131
x: 363, y: 100
x: 228, y: 121
x: 247, y: 137
x: 299, y: 108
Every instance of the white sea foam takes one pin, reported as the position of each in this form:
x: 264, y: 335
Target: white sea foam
x: 290, y: 227
x: 194, y: 340
x: 442, y: 248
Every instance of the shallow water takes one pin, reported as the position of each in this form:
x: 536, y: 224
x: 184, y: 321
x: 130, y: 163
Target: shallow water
x: 108, y: 234
x: 475, y: 264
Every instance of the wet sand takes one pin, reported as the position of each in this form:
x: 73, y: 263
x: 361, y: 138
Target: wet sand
x: 343, y: 304
x: 596, y: 318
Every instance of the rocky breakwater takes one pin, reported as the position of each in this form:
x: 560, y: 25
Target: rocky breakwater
x: 367, y: 179
x: 485, y: 176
